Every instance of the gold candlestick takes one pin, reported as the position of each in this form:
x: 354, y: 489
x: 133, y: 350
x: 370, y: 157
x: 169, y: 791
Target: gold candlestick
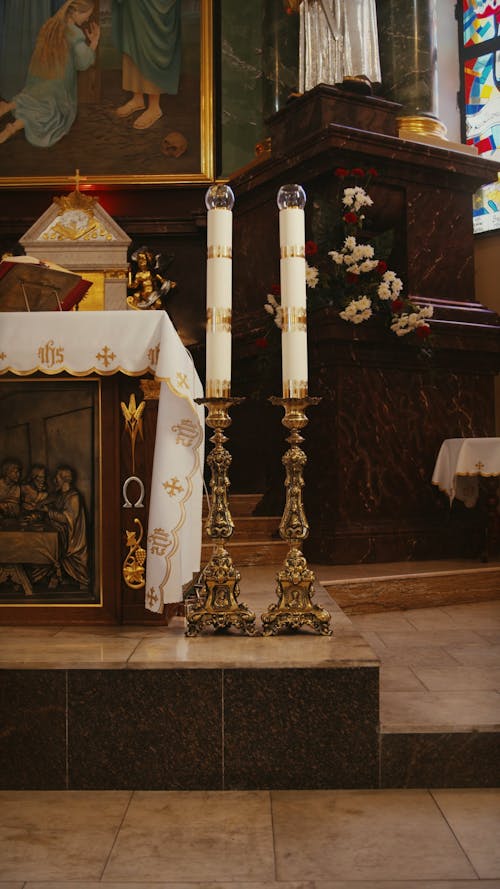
x: 219, y: 606
x: 295, y: 586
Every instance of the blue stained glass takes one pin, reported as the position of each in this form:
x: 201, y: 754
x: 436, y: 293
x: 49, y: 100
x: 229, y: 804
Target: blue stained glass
x: 479, y: 21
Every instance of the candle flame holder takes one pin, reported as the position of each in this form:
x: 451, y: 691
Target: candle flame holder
x: 219, y: 606
x: 295, y: 581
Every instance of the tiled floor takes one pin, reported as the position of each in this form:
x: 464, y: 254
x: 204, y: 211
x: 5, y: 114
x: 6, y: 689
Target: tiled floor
x: 440, y: 668
x: 250, y: 840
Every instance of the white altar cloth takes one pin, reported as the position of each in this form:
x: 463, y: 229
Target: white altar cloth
x: 460, y: 463
x: 133, y: 343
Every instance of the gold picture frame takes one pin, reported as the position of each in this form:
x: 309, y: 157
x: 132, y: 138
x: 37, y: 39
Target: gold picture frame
x: 106, y: 149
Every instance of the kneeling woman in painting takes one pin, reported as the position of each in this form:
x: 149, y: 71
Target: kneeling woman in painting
x: 46, y: 107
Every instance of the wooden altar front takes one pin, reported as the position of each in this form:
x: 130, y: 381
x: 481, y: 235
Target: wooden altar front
x: 373, y: 440
x: 97, y: 521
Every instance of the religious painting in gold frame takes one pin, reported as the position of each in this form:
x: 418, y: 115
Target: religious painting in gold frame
x: 103, y: 145
x: 50, y: 493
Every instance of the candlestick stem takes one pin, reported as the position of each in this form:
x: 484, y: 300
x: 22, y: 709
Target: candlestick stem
x: 295, y: 582
x: 219, y: 607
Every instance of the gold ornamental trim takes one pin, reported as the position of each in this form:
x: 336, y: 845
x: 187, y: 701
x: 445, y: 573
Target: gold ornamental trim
x: 219, y: 320
x: 293, y: 319
x: 297, y: 251
x: 133, y: 565
x: 218, y: 389
x: 422, y: 125
x: 150, y: 389
x: 295, y: 389
x: 113, y: 273
x: 218, y: 251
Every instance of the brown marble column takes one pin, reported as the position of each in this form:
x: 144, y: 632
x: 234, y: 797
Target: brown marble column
x: 408, y: 58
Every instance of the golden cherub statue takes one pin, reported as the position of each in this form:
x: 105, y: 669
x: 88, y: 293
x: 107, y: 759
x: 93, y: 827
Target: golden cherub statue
x: 148, y: 285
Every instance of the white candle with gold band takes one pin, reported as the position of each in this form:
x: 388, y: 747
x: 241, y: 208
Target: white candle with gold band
x: 219, y: 200
x: 291, y: 203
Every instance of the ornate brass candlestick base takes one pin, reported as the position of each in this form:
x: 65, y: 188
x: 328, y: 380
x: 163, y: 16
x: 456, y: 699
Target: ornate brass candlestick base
x: 295, y: 581
x: 219, y: 606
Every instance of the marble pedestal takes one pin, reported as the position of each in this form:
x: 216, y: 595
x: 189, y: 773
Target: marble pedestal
x: 141, y: 708
x: 146, y: 708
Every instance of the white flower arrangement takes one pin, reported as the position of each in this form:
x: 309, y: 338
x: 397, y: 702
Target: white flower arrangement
x: 351, y: 276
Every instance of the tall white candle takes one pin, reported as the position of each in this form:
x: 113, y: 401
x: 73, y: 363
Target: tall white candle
x: 219, y: 200
x: 291, y: 203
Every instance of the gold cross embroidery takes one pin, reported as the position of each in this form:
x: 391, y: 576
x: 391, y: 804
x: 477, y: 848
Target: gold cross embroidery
x: 151, y: 596
x: 479, y: 465
x: 106, y: 356
x: 173, y: 487
x: 182, y: 380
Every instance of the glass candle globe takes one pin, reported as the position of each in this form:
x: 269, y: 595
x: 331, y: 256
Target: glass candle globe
x: 291, y: 196
x: 219, y: 197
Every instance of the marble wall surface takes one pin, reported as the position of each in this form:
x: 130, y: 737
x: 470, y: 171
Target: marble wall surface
x: 375, y: 436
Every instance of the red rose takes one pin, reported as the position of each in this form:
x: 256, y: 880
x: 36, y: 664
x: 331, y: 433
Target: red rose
x: 341, y: 172
x: 382, y: 267
x: 372, y: 172
x: 311, y: 248
x: 357, y: 171
x: 275, y: 289
x: 351, y: 218
x: 423, y: 331
x: 396, y: 305
x: 261, y: 343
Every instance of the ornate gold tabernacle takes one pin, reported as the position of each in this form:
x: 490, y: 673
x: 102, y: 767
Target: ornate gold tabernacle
x: 295, y: 586
x: 219, y: 606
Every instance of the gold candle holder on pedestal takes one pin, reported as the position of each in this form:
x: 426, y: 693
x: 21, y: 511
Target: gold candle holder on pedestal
x: 219, y: 606
x: 295, y: 586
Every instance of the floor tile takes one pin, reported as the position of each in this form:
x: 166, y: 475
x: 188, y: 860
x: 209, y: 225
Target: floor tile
x: 62, y: 809
x: 55, y: 835
x: 401, y: 639
x: 415, y: 656
x: 491, y: 636
x: 431, y: 619
x: 400, y: 679
x: 477, y: 614
x: 195, y: 836
x: 400, y: 884
x: 437, y: 711
x: 364, y: 835
x: 475, y: 655
x: 474, y: 817
x: 378, y: 620
x: 202, y: 884
x: 53, y: 854
x: 458, y: 678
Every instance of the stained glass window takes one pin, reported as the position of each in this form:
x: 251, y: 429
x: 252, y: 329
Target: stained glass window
x: 480, y: 58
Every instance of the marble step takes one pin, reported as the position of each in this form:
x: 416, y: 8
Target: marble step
x: 254, y: 528
x: 249, y: 553
x: 239, y: 504
x: 397, y: 586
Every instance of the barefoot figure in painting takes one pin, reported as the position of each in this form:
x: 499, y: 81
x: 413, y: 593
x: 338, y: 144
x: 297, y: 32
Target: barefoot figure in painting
x: 47, y: 105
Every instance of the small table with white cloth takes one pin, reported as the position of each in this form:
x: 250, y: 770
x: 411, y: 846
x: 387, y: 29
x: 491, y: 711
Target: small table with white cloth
x: 460, y: 464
